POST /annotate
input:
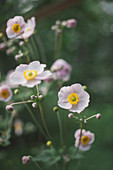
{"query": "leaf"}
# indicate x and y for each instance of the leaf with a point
(74, 154)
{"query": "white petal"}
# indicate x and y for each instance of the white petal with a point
(35, 65)
(21, 68)
(84, 147)
(84, 96)
(31, 83)
(17, 78)
(10, 33)
(44, 75)
(64, 105)
(77, 133)
(77, 88)
(64, 93)
(91, 136)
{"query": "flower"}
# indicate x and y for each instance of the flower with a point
(61, 70)
(29, 28)
(18, 56)
(15, 27)
(5, 93)
(29, 75)
(71, 23)
(73, 98)
(9, 108)
(25, 159)
(87, 138)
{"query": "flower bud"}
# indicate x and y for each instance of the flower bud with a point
(98, 116)
(70, 115)
(84, 87)
(55, 109)
(34, 105)
(57, 22)
(48, 143)
(41, 97)
(16, 91)
(21, 43)
(9, 108)
(1, 34)
(71, 23)
(25, 159)
(33, 97)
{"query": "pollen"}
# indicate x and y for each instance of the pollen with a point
(73, 98)
(84, 140)
(16, 28)
(30, 74)
(4, 93)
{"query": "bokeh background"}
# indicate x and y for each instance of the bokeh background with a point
(89, 49)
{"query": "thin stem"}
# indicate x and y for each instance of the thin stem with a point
(43, 120)
(37, 165)
(90, 117)
(37, 90)
(60, 128)
(21, 102)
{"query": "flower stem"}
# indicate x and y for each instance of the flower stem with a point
(37, 165)
(60, 128)
(20, 103)
(43, 120)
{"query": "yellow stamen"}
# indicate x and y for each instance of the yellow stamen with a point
(16, 28)
(30, 74)
(5, 94)
(73, 98)
(84, 140)
(29, 29)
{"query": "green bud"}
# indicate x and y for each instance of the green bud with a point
(55, 109)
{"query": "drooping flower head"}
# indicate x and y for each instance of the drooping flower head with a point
(87, 138)
(29, 28)
(61, 70)
(73, 98)
(5, 93)
(30, 75)
(15, 27)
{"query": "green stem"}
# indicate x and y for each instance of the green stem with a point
(34, 47)
(43, 120)
(60, 128)
(37, 165)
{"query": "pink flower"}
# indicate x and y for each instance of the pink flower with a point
(71, 23)
(61, 70)
(5, 93)
(87, 138)
(73, 98)
(15, 27)
(30, 75)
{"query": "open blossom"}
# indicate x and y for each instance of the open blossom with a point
(29, 75)
(87, 138)
(15, 27)
(61, 70)
(29, 28)
(73, 98)
(5, 93)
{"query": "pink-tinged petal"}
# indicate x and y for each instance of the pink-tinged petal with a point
(77, 133)
(31, 83)
(84, 96)
(10, 32)
(84, 147)
(19, 20)
(77, 88)
(10, 22)
(17, 78)
(35, 65)
(21, 68)
(64, 105)
(44, 75)
(91, 137)
(6, 87)
(64, 93)
(32, 22)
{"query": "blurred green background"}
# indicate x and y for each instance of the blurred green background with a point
(89, 49)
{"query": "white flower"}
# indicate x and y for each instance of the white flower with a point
(87, 138)
(29, 28)
(61, 70)
(30, 75)
(15, 27)
(5, 93)
(73, 98)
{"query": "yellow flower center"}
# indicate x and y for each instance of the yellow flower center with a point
(84, 140)
(73, 98)
(30, 74)
(5, 94)
(16, 28)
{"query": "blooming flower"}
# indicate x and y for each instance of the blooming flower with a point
(71, 23)
(87, 138)
(15, 27)
(5, 93)
(29, 75)
(73, 98)
(61, 70)
(29, 28)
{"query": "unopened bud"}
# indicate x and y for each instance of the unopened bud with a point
(34, 105)
(48, 143)
(84, 87)
(25, 159)
(98, 116)
(55, 109)
(16, 91)
(33, 97)
(70, 115)
(1, 34)
(41, 97)
(9, 108)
